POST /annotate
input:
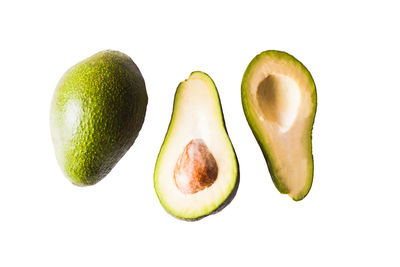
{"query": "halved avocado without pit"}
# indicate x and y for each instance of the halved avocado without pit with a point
(196, 172)
(279, 100)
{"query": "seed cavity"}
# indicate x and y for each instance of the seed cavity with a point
(279, 98)
(196, 168)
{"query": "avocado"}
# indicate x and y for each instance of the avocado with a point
(97, 111)
(196, 172)
(279, 100)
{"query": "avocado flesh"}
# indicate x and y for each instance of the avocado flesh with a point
(97, 111)
(197, 115)
(279, 101)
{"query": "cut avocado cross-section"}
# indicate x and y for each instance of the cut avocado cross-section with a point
(196, 172)
(279, 101)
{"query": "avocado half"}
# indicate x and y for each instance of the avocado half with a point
(279, 100)
(97, 111)
(197, 171)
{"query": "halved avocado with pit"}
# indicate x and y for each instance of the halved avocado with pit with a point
(279, 100)
(196, 172)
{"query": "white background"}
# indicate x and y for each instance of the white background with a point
(350, 217)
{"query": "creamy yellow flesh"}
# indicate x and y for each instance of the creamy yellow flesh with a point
(196, 115)
(283, 108)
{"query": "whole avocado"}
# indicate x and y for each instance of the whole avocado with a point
(97, 111)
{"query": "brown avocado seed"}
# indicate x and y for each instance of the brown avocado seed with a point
(196, 168)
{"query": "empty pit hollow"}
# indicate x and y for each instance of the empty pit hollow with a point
(278, 98)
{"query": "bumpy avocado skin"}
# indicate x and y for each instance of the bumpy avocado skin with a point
(253, 121)
(97, 111)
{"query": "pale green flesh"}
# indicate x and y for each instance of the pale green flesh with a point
(279, 101)
(196, 114)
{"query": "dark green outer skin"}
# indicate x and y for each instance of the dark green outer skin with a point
(263, 145)
(232, 194)
(112, 101)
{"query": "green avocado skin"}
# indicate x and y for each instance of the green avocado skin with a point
(97, 111)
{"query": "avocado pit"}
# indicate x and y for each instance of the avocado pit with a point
(196, 168)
